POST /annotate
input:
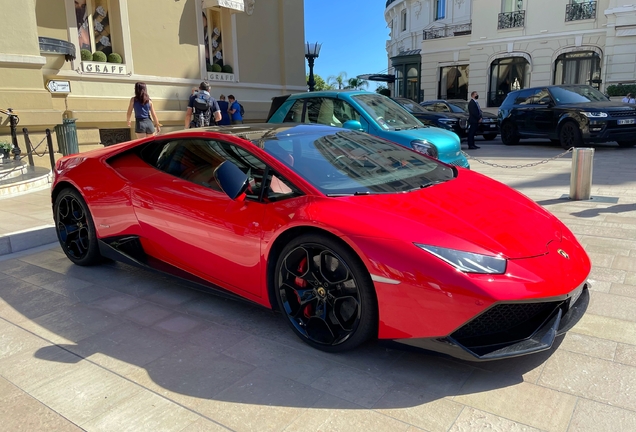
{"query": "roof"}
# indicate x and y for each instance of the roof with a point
(257, 131)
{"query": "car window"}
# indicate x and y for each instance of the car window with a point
(411, 106)
(438, 107)
(195, 160)
(459, 107)
(295, 113)
(388, 114)
(537, 97)
(343, 111)
(522, 96)
(322, 111)
(576, 94)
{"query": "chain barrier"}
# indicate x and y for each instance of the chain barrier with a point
(20, 157)
(570, 150)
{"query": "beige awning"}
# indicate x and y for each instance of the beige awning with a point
(237, 5)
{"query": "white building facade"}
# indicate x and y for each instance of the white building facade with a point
(444, 49)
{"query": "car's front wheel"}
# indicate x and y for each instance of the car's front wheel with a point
(570, 135)
(626, 144)
(75, 228)
(325, 293)
(490, 137)
(509, 134)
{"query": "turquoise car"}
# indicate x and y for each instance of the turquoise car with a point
(369, 112)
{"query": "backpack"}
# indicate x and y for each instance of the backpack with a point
(242, 110)
(201, 109)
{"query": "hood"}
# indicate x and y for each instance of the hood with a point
(471, 213)
(432, 114)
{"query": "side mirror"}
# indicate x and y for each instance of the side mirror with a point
(353, 125)
(231, 179)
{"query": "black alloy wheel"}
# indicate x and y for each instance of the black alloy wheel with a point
(490, 137)
(626, 144)
(75, 228)
(570, 135)
(325, 293)
(509, 135)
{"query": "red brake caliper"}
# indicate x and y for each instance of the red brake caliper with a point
(301, 283)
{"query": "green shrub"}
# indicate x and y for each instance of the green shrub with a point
(385, 92)
(227, 69)
(114, 58)
(86, 55)
(216, 68)
(209, 67)
(99, 56)
(621, 90)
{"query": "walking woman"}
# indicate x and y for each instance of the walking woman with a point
(142, 105)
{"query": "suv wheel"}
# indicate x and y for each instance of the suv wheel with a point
(570, 135)
(509, 134)
(626, 144)
(490, 137)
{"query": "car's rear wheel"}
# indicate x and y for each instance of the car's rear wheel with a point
(626, 144)
(490, 137)
(325, 293)
(509, 134)
(75, 228)
(570, 135)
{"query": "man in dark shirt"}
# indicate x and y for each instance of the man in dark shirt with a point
(225, 116)
(474, 118)
(203, 106)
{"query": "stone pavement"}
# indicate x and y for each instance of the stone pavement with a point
(118, 348)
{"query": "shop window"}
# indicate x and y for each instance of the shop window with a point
(578, 68)
(511, 5)
(507, 74)
(440, 9)
(93, 25)
(453, 83)
(220, 50)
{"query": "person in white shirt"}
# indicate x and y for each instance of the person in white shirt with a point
(629, 99)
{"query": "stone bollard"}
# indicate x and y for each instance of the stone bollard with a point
(581, 177)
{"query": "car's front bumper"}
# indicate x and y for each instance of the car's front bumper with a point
(511, 329)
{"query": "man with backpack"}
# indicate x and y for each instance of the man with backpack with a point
(202, 108)
(236, 110)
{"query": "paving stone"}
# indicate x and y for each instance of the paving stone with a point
(623, 290)
(413, 406)
(592, 378)
(21, 412)
(216, 337)
(147, 314)
(600, 259)
(205, 425)
(143, 411)
(115, 304)
(588, 345)
(14, 340)
(625, 263)
(613, 306)
(607, 328)
(630, 278)
(590, 416)
(609, 275)
(522, 402)
(178, 323)
(471, 420)
(626, 354)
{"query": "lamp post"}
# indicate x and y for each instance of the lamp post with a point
(312, 51)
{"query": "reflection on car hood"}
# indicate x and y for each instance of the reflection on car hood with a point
(471, 213)
(440, 115)
(600, 106)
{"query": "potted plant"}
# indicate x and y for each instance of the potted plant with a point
(5, 149)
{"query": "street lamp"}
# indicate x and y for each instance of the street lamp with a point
(312, 51)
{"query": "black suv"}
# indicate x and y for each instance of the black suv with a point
(571, 115)
(458, 109)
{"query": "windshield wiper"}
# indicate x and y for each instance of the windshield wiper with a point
(433, 183)
(349, 194)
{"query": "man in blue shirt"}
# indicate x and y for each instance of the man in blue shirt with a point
(225, 116)
(235, 110)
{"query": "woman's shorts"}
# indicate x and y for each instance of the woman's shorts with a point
(144, 126)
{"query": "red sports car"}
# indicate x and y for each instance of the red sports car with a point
(351, 237)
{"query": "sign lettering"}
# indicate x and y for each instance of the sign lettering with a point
(103, 68)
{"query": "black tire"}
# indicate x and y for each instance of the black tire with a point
(509, 134)
(332, 313)
(555, 141)
(75, 228)
(490, 137)
(626, 144)
(570, 135)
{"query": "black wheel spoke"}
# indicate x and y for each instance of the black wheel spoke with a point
(72, 227)
(319, 294)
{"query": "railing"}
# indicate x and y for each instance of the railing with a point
(448, 31)
(580, 11)
(512, 19)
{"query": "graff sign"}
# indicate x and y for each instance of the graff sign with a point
(104, 68)
(215, 76)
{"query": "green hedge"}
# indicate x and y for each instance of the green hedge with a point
(621, 90)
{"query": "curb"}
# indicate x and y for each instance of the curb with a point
(27, 239)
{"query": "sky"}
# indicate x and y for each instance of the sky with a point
(353, 34)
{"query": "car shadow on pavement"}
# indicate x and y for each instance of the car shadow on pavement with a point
(615, 209)
(199, 349)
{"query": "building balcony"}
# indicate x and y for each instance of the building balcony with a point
(509, 20)
(388, 3)
(580, 11)
(448, 31)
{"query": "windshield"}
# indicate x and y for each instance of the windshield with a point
(576, 94)
(386, 112)
(341, 162)
(459, 106)
(412, 107)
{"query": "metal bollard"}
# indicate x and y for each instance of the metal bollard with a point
(29, 146)
(581, 177)
(49, 145)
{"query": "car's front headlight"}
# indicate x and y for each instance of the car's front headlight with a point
(425, 147)
(467, 262)
(594, 114)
